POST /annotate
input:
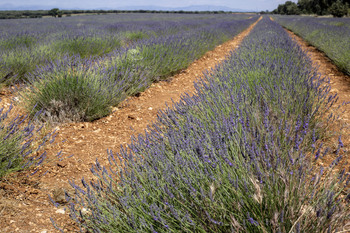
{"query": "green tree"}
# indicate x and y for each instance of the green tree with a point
(291, 8)
(305, 6)
(54, 12)
(281, 9)
(338, 9)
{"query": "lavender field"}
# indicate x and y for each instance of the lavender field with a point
(236, 157)
(76, 68)
(330, 35)
(242, 154)
(38, 41)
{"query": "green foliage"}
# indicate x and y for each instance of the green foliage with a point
(292, 9)
(332, 36)
(10, 150)
(71, 80)
(26, 41)
(289, 8)
(54, 12)
(20, 61)
(129, 67)
(135, 36)
(71, 94)
(22, 14)
(22, 142)
(168, 60)
(86, 46)
(19, 57)
(14, 14)
(23, 54)
(338, 9)
(233, 158)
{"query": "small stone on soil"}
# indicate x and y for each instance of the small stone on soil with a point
(60, 211)
(62, 163)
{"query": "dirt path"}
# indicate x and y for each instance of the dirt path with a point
(340, 84)
(24, 204)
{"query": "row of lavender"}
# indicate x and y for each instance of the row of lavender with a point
(236, 157)
(83, 89)
(24, 44)
(22, 142)
(48, 27)
(332, 36)
(78, 88)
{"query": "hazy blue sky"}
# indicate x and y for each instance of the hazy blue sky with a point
(241, 4)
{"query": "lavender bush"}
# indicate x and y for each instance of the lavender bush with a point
(22, 142)
(73, 89)
(86, 46)
(160, 57)
(236, 157)
(26, 44)
(330, 35)
(77, 88)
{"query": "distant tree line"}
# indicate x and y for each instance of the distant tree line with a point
(55, 12)
(337, 8)
(22, 14)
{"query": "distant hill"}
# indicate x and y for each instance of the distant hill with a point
(4, 7)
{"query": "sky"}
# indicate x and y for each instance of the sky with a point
(257, 5)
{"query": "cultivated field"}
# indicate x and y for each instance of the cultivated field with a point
(329, 35)
(258, 143)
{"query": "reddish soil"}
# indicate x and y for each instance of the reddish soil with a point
(24, 203)
(340, 85)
